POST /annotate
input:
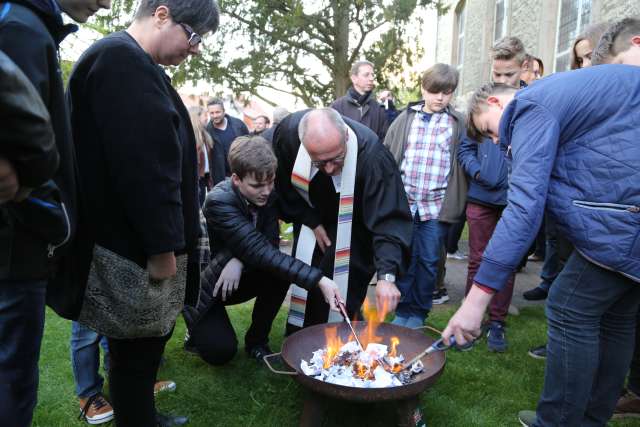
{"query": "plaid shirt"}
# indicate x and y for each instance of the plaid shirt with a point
(427, 161)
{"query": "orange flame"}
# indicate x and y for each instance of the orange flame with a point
(372, 317)
(394, 347)
(334, 343)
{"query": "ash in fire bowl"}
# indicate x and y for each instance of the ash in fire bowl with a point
(348, 365)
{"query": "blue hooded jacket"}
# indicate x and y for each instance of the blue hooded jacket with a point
(575, 140)
(489, 162)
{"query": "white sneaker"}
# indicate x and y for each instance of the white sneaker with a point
(456, 255)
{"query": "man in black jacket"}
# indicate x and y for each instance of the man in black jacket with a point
(30, 33)
(360, 104)
(223, 129)
(242, 222)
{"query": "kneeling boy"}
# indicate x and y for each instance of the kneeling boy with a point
(242, 224)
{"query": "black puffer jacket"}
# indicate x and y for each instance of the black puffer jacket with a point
(233, 234)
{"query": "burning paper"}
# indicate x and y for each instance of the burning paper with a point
(349, 366)
(345, 363)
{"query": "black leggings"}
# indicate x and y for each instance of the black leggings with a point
(214, 337)
(132, 374)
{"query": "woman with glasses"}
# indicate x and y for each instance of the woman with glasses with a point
(138, 165)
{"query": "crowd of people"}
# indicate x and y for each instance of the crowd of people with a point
(121, 208)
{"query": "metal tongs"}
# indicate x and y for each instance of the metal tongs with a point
(439, 346)
(343, 310)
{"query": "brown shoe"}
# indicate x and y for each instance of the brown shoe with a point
(96, 409)
(628, 406)
(161, 386)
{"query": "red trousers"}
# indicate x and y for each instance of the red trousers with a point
(482, 221)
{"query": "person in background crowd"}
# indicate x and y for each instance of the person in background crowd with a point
(34, 239)
(533, 69)
(385, 98)
(137, 149)
(204, 149)
(592, 193)
(359, 104)
(242, 221)
(260, 124)
(424, 141)
(508, 62)
(486, 166)
(584, 45)
(279, 113)
(223, 129)
(322, 158)
(620, 44)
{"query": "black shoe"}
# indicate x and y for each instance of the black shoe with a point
(538, 352)
(258, 352)
(170, 420)
(535, 294)
(190, 348)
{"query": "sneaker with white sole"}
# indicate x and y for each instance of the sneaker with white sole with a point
(527, 418)
(440, 296)
(162, 386)
(95, 409)
(457, 255)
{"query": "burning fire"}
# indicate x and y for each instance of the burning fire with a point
(333, 345)
(394, 346)
(377, 364)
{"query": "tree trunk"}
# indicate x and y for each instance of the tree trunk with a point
(341, 79)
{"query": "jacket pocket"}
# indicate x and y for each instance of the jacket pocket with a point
(611, 207)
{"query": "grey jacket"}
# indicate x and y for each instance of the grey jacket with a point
(455, 197)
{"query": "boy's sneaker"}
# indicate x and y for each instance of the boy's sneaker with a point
(538, 352)
(456, 255)
(95, 409)
(440, 296)
(162, 386)
(628, 406)
(527, 418)
(496, 340)
(258, 352)
(535, 294)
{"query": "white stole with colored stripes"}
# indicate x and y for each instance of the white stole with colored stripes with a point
(300, 178)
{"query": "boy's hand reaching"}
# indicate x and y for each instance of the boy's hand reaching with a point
(229, 279)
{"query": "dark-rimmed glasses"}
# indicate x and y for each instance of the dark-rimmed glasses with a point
(194, 38)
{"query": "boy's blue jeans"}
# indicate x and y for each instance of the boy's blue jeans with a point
(85, 360)
(418, 284)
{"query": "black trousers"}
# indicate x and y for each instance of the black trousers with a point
(214, 337)
(133, 368)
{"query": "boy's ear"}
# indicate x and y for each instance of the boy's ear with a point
(235, 179)
(493, 100)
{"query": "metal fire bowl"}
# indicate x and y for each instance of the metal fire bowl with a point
(303, 343)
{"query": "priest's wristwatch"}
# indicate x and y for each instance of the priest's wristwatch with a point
(388, 277)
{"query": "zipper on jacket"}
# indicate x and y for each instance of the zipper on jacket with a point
(52, 247)
(615, 207)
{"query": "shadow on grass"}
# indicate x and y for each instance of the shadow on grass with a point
(477, 388)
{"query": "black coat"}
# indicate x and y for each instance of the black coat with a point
(30, 33)
(232, 233)
(382, 226)
(136, 154)
(371, 114)
(220, 168)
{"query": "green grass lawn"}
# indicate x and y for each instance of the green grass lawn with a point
(477, 388)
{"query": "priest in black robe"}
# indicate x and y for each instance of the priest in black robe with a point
(381, 223)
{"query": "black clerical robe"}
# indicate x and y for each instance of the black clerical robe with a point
(381, 228)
